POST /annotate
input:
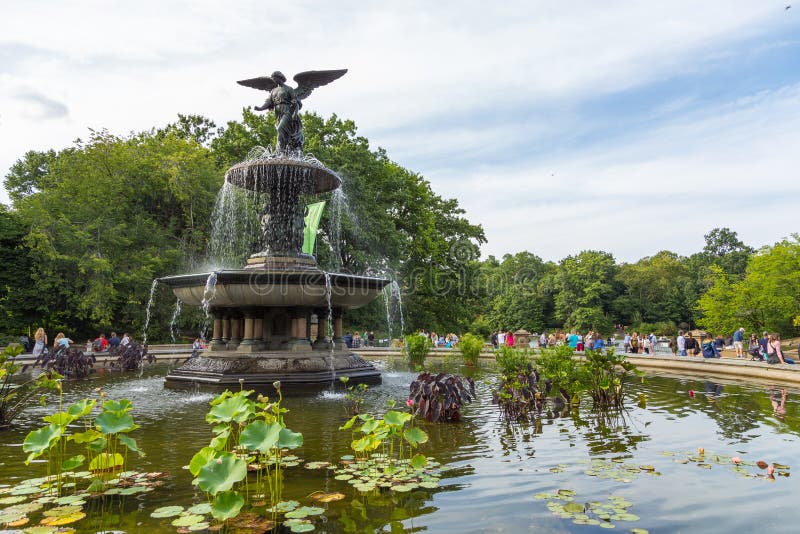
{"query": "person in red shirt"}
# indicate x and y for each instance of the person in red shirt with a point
(100, 344)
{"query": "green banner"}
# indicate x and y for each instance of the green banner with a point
(312, 224)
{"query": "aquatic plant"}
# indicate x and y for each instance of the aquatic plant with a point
(16, 396)
(564, 371)
(470, 347)
(70, 362)
(249, 435)
(604, 377)
(384, 453)
(104, 439)
(416, 349)
(511, 361)
(130, 357)
(439, 398)
(355, 395)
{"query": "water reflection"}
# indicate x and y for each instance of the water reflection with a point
(495, 465)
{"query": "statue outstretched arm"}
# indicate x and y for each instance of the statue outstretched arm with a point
(267, 105)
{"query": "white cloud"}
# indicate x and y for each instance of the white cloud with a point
(427, 80)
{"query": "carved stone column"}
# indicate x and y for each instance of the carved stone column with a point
(216, 335)
(300, 341)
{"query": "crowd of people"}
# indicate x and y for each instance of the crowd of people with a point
(356, 340)
(40, 342)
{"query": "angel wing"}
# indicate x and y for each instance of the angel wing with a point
(264, 83)
(311, 79)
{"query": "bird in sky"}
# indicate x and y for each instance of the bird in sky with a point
(787, 8)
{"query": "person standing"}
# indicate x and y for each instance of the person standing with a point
(371, 338)
(680, 342)
(738, 342)
(126, 340)
(40, 342)
(510, 338)
(543, 340)
(501, 338)
(627, 342)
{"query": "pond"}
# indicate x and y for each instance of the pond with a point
(501, 476)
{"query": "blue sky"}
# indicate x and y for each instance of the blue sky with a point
(626, 126)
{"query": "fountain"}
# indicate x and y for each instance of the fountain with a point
(262, 312)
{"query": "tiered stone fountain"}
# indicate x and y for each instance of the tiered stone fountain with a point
(263, 313)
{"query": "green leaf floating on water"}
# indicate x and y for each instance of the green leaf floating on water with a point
(167, 511)
(304, 511)
(260, 436)
(574, 507)
(284, 506)
(188, 520)
(200, 509)
(221, 473)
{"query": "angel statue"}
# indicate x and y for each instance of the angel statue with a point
(286, 102)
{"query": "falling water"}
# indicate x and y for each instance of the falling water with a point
(388, 297)
(399, 295)
(208, 295)
(328, 291)
(147, 311)
(235, 226)
(173, 326)
(338, 202)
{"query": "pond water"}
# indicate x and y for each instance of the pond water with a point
(496, 467)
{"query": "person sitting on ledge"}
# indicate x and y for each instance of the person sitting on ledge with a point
(774, 352)
(710, 350)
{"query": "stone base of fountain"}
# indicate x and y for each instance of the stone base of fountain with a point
(311, 368)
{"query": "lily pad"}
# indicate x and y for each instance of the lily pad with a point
(167, 511)
(13, 499)
(574, 507)
(63, 519)
(284, 506)
(188, 520)
(62, 510)
(328, 497)
(199, 526)
(200, 509)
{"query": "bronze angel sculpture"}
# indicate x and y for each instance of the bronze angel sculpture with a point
(286, 102)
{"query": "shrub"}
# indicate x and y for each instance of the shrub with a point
(512, 361)
(559, 365)
(470, 347)
(416, 349)
(439, 398)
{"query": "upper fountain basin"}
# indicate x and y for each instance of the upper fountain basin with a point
(236, 288)
(265, 173)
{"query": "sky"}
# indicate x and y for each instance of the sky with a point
(625, 126)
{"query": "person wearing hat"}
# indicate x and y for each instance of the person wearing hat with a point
(738, 342)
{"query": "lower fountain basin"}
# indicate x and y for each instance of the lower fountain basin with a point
(241, 287)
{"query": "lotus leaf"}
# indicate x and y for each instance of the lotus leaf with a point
(574, 507)
(402, 488)
(780, 466)
(227, 504)
(118, 407)
(429, 484)
(7, 516)
(234, 409)
(19, 522)
(187, 520)
(13, 499)
(59, 418)
(418, 461)
(289, 439)
(200, 509)
(106, 461)
(317, 465)
(415, 436)
(199, 526)
(26, 491)
(130, 443)
(115, 423)
(607, 525)
(284, 506)
(395, 418)
(63, 519)
(38, 441)
(63, 510)
(200, 459)
(304, 511)
(86, 437)
(260, 436)
(167, 511)
(302, 527)
(81, 408)
(72, 463)
(222, 473)
(639, 531)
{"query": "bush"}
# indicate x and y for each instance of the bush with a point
(559, 365)
(512, 361)
(416, 349)
(470, 347)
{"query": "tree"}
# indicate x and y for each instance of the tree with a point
(584, 287)
(767, 298)
(723, 248)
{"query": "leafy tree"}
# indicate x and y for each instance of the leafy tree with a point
(768, 297)
(584, 286)
(723, 248)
